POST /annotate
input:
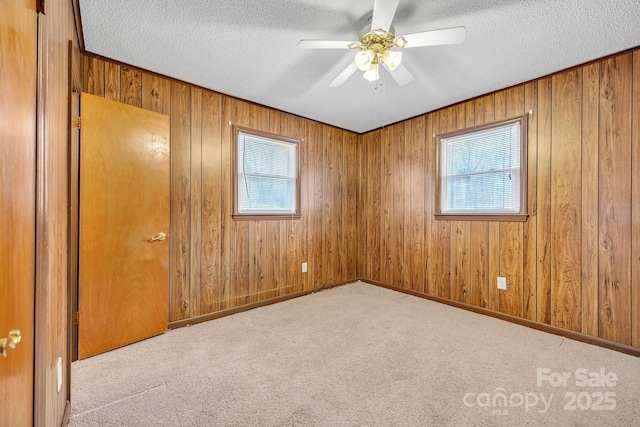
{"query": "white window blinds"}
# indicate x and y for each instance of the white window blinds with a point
(481, 171)
(267, 175)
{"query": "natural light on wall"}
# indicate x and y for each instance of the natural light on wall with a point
(481, 171)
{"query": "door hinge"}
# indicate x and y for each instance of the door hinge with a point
(75, 122)
(74, 318)
(40, 6)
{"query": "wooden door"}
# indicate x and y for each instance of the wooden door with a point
(124, 203)
(17, 205)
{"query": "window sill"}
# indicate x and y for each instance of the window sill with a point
(264, 217)
(483, 217)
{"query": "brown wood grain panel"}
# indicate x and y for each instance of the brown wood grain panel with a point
(156, 93)
(479, 259)
(396, 140)
(315, 141)
(635, 204)
(293, 127)
(589, 220)
(211, 222)
(330, 249)
(226, 206)
(195, 270)
(258, 260)
(339, 181)
(350, 197)
(529, 273)
(93, 70)
(543, 209)
(131, 86)
(460, 262)
(415, 216)
(429, 203)
(180, 223)
(276, 264)
(442, 233)
(112, 81)
(614, 267)
(510, 301)
(305, 200)
(375, 186)
(566, 112)
(386, 207)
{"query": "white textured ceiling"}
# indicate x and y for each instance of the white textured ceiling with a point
(247, 48)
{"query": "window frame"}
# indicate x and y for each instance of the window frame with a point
(237, 215)
(520, 216)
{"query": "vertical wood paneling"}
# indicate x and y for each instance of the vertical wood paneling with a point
(386, 207)
(589, 193)
(566, 211)
(156, 93)
(211, 291)
(529, 265)
(375, 189)
(398, 197)
(195, 281)
(429, 202)
(316, 206)
(180, 204)
(93, 76)
(112, 81)
(544, 201)
(368, 202)
(226, 206)
(131, 86)
(635, 204)
(442, 245)
(416, 214)
(338, 205)
(350, 198)
(614, 268)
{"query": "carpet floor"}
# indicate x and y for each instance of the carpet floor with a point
(356, 355)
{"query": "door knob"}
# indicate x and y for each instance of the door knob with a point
(158, 238)
(11, 341)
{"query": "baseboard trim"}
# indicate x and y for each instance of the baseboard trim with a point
(246, 307)
(67, 413)
(600, 342)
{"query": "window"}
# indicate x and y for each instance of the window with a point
(266, 176)
(482, 172)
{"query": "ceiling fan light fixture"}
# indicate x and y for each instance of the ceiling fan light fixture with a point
(391, 59)
(364, 58)
(400, 42)
(372, 73)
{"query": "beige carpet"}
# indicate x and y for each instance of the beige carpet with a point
(356, 355)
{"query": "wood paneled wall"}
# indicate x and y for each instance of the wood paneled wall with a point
(575, 263)
(217, 263)
(58, 66)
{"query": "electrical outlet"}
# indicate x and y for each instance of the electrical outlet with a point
(304, 267)
(59, 373)
(502, 283)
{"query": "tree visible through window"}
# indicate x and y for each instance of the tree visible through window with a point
(482, 171)
(266, 175)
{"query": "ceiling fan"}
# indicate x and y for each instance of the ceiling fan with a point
(378, 44)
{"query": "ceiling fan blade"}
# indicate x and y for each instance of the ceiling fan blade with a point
(344, 75)
(383, 13)
(401, 75)
(323, 44)
(436, 37)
